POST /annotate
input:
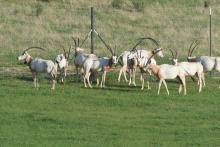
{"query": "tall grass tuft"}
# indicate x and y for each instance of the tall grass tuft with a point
(138, 5)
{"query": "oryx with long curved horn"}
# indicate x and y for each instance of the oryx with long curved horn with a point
(190, 69)
(96, 65)
(166, 71)
(208, 63)
(133, 58)
(38, 65)
(80, 56)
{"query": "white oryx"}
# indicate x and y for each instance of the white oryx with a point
(38, 65)
(95, 65)
(130, 59)
(190, 69)
(166, 71)
(62, 61)
(141, 62)
(208, 63)
(80, 56)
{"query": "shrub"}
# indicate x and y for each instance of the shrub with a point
(138, 5)
(117, 4)
(38, 9)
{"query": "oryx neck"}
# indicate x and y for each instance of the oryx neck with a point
(28, 60)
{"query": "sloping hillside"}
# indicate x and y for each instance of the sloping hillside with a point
(51, 23)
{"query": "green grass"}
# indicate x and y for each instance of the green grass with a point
(118, 115)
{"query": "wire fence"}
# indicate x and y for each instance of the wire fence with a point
(53, 28)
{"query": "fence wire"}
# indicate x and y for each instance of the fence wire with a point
(53, 28)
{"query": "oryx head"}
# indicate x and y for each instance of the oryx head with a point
(150, 61)
(159, 52)
(174, 58)
(61, 60)
(114, 57)
(25, 56)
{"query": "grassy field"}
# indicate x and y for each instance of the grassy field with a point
(118, 115)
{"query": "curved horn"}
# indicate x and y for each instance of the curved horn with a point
(149, 38)
(176, 53)
(148, 61)
(189, 50)
(153, 40)
(64, 51)
(172, 53)
(36, 47)
(196, 44)
(69, 52)
(75, 42)
(112, 51)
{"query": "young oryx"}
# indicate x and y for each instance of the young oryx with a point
(96, 65)
(208, 63)
(62, 61)
(190, 69)
(166, 71)
(38, 65)
(141, 53)
(80, 56)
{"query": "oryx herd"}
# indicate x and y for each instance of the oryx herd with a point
(87, 64)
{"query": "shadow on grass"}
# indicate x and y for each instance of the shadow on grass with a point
(24, 78)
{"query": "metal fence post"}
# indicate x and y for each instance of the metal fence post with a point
(92, 31)
(210, 32)
(210, 35)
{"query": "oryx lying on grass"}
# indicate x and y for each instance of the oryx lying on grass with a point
(190, 69)
(130, 63)
(95, 65)
(166, 71)
(62, 61)
(38, 65)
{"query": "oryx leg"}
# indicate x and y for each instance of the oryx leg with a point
(183, 80)
(97, 81)
(200, 82)
(119, 76)
(165, 84)
(142, 81)
(159, 85)
(180, 88)
(53, 76)
(123, 70)
(130, 76)
(87, 76)
(148, 82)
(124, 73)
(134, 71)
(104, 76)
(101, 85)
(84, 80)
(34, 75)
(203, 79)
(53, 84)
